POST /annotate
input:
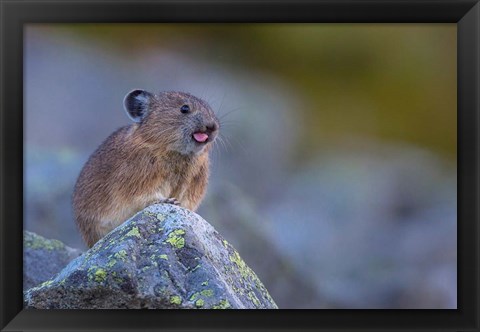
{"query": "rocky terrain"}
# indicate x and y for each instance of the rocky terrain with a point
(165, 257)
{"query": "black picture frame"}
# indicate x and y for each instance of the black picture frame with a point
(16, 13)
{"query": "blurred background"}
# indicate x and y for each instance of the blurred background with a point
(337, 180)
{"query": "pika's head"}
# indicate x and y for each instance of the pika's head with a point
(176, 120)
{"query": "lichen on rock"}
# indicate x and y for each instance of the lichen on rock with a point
(163, 257)
(43, 258)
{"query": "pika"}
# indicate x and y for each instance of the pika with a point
(163, 157)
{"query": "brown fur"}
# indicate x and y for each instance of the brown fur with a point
(140, 164)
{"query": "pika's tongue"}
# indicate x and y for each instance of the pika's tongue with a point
(200, 137)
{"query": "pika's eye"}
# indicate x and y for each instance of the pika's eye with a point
(185, 109)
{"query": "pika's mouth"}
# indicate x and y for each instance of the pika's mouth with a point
(200, 137)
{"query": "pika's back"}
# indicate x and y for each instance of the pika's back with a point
(162, 156)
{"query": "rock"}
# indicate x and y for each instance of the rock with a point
(241, 222)
(43, 259)
(163, 257)
(383, 220)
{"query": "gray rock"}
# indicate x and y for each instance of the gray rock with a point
(43, 259)
(239, 220)
(163, 257)
(383, 221)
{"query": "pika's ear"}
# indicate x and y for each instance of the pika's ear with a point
(136, 104)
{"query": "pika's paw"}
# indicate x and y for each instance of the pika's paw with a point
(171, 200)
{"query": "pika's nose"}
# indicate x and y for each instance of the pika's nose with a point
(211, 127)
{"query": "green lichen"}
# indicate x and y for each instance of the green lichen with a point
(161, 217)
(259, 285)
(90, 272)
(205, 293)
(46, 283)
(205, 283)
(122, 255)
(194, 296)
(163, 256)
(118, 280)
(251, 295)
(146, 268)
(237, 290)
(111, 263)
(96, 273)
(34, 241)
(176, 239)
(250, 276)
(105, 243)
(100, 275)
(179, 232)
(223, 304)
(196, 267)
(242, 267)
(199, 303)
(225, 243)
(175, 300)
(133, 232)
